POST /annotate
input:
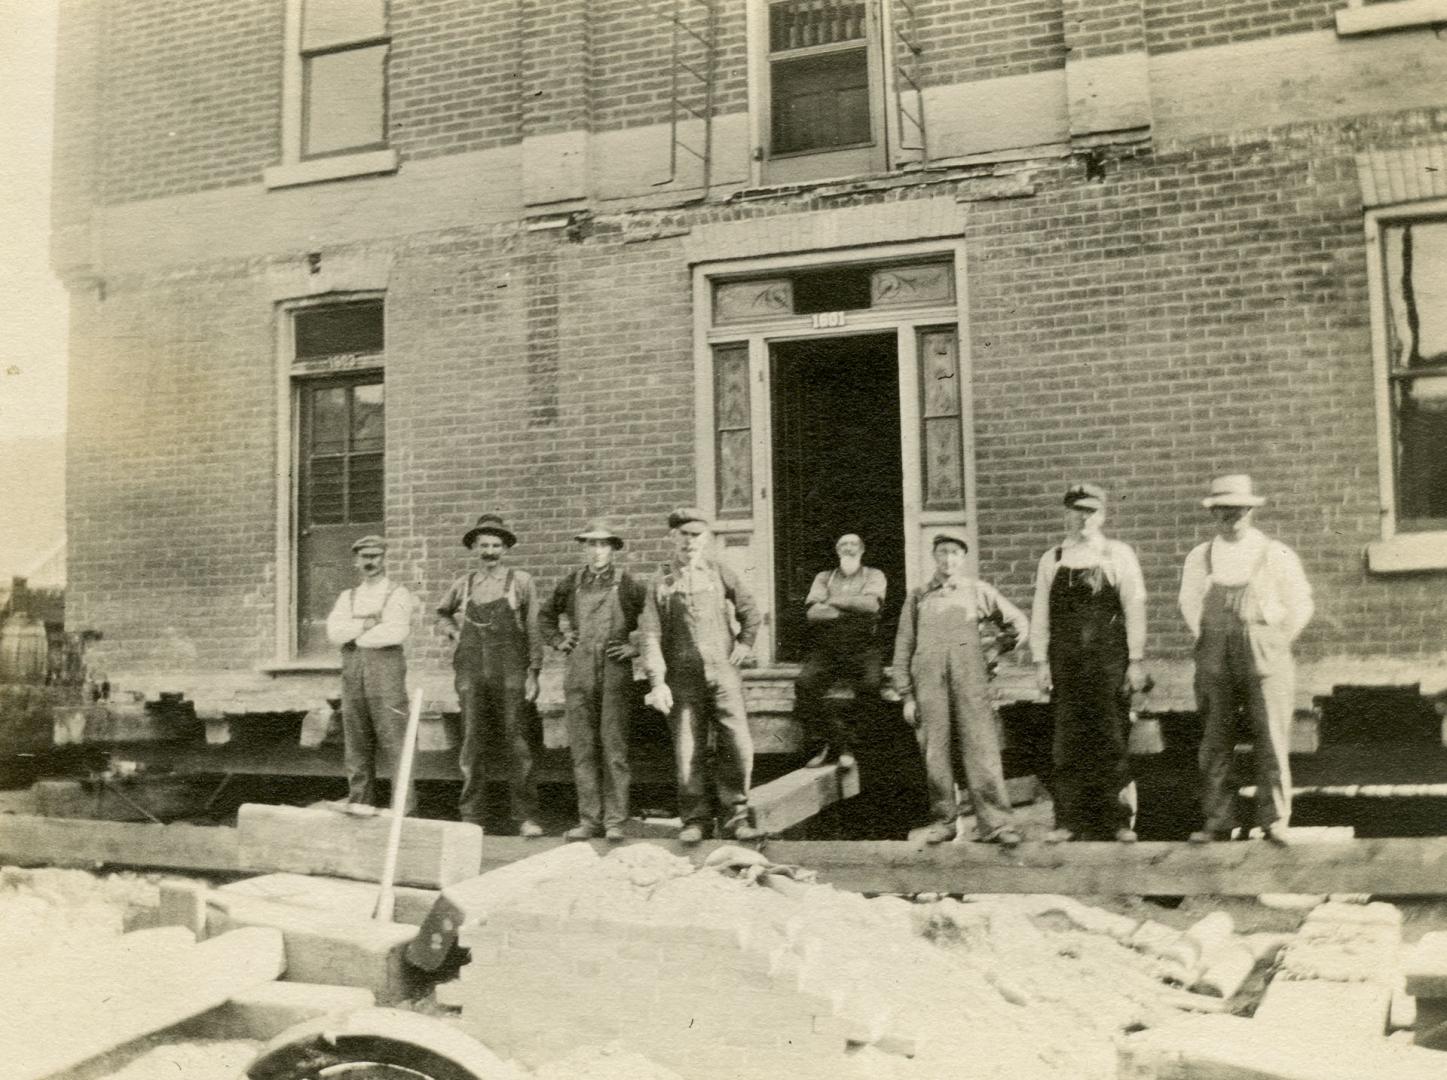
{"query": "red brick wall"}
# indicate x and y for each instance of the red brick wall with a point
(1172, 25)
(970, 40)
(191, 100)
(452, 81)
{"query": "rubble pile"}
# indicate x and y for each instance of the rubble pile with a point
(714, 973)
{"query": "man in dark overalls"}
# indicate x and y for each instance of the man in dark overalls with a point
(1245, 598)
(842, 609)
(692, 658)
(370, 622)
(1088, 629)
(590, 617)
(492, 615)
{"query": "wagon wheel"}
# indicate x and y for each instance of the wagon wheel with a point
(377, 1044)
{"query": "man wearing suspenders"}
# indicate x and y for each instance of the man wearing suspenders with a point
(1088, 635)
(370, 622)
(492, 615)
(1245, 598)
(590, 617)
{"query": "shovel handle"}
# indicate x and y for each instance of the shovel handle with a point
(401, 782)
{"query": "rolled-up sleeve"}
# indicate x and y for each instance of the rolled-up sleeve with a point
(342, 625)
(528, 603)
(1040, 607)
(452, 599)
(904, 643)
(650, 628)
(1293, 589)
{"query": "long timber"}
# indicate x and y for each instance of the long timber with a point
(1397, 866)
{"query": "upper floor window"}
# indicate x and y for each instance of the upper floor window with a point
(334, 94)
(821, 94)
(1414, 271)
(344, 56)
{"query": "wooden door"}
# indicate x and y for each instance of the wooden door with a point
(339, 497)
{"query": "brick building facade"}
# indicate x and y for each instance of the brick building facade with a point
(1142, 241)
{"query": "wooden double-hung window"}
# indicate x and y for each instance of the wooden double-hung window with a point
(334, 93)
(1414, 278)
(821, 89)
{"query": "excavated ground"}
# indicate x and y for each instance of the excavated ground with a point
(1050, 991)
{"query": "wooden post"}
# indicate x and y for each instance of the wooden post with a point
(401, 781)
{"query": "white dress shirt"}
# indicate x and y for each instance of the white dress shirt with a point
(1122, 570)
(1278, 594)
(371, 600)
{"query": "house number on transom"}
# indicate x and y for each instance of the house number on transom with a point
(825, 319)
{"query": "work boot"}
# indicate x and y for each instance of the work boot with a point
(1059, 836)
(938, 833)
(584, 830)
(1207, 836)
(846, 761)
(1278, 834)
(615, 834)
(1125, 836)
(1005, 837)
(744, 830)
(530, 829)
(690, 834)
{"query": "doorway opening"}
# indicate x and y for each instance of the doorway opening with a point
(837, 469)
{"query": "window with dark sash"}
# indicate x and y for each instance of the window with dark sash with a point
(344, 57)
(1414, 258)
(819, 84)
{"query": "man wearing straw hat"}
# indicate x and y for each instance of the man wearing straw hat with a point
(1245, 598)
(1087, 635)
(590, 617)
(370, 622)
(492, 615)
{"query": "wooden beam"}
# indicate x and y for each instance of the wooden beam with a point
(799, 795)
(41, 841)
(330, 842)
(1237, 868)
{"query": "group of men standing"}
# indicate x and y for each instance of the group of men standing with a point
(691, 626)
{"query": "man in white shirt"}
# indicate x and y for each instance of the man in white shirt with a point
(1087, 635)
(370, 622)
(1245, 598)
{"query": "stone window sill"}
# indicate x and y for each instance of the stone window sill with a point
(1408, 553)
(341, 167)
(1369, 18)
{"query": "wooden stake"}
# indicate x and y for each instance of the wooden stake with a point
(401, 781)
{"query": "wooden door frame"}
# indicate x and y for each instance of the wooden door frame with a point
(759, 335)
(291, 377)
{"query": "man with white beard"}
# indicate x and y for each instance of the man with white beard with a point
(842, 609)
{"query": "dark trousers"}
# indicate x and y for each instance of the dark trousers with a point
(860, 669)
(1089, 763)
(488, 702)
(599, 709)
(374, 719)
(701, 704)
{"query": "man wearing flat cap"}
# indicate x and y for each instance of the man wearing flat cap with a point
(590, 618)
(692, 658)
(1245, 598)
(939, 671)
(491, 612)
(370, 622)
(1087, 635)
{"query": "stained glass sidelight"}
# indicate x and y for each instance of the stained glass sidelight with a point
(732, 426)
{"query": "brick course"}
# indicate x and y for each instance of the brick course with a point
(1172, 25)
